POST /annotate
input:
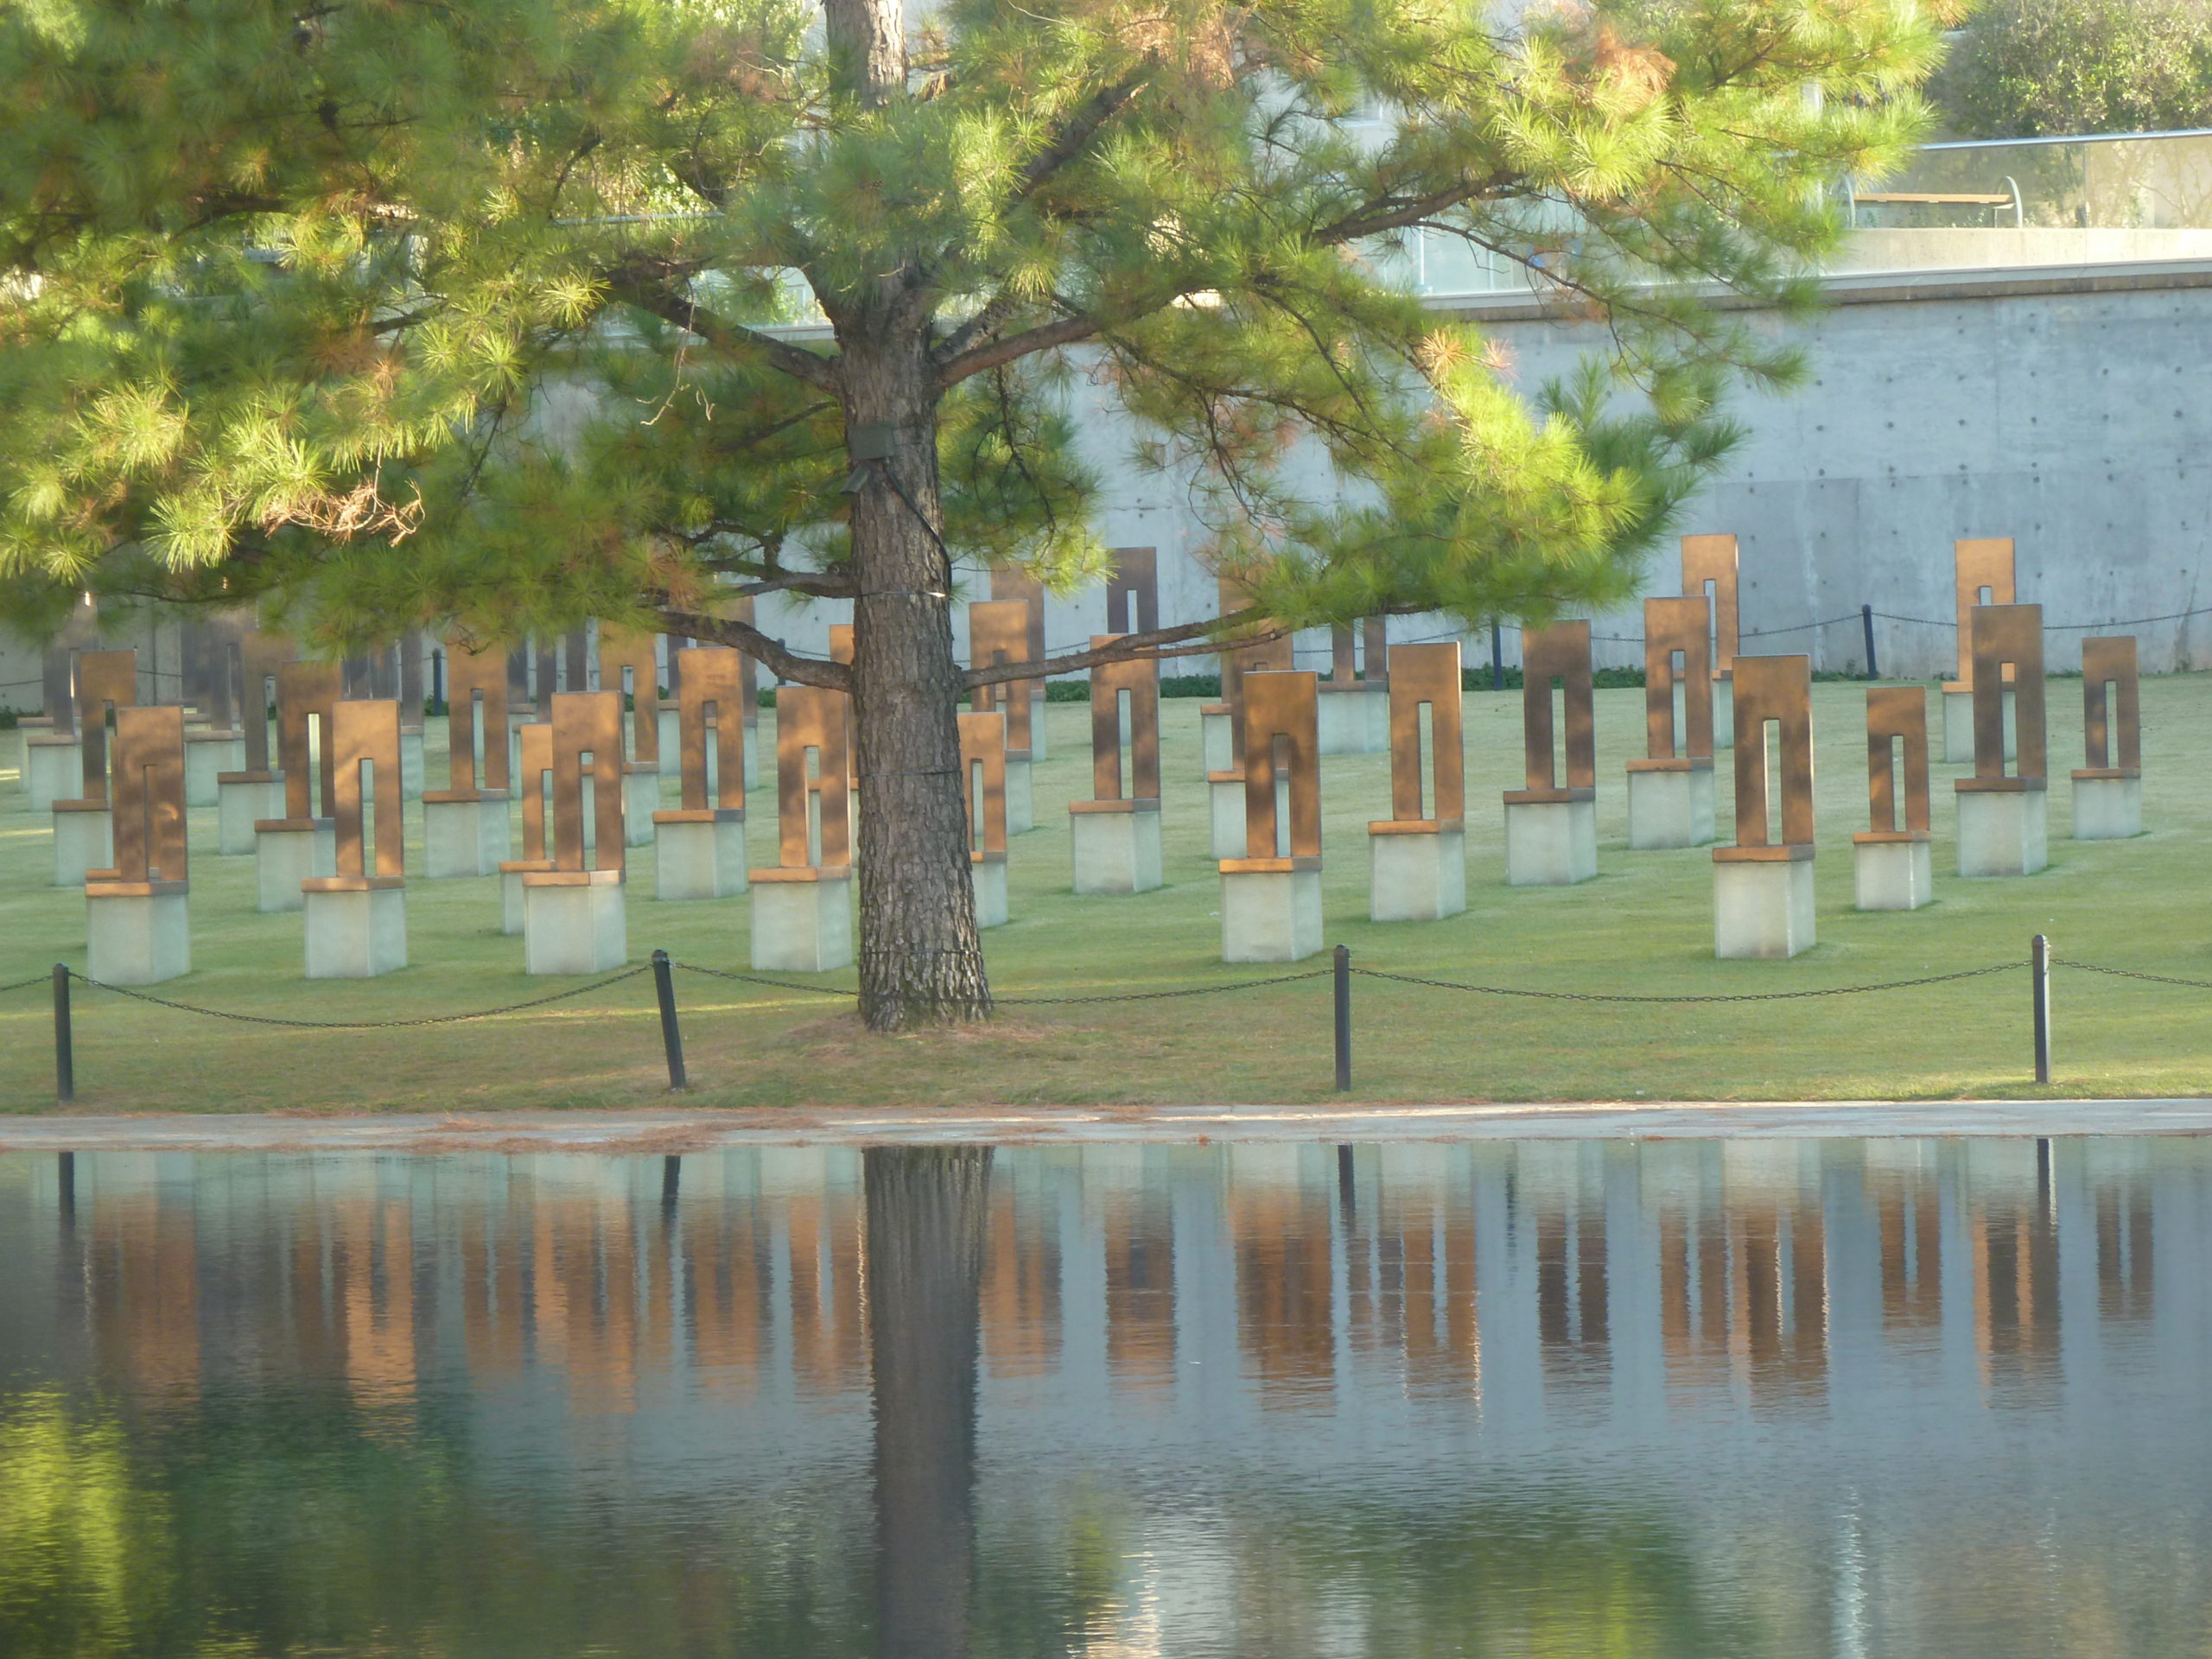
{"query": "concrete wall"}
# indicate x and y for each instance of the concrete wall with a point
(2064, 408)
(2073, 418)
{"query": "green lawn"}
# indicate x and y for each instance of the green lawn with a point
(1643, 926)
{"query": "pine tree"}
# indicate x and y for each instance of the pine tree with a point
(400, 313)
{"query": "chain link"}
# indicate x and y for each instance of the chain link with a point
(756, 979)
(2062, 628)
(1745, 996)
(2129, 973)
(1025, 1002)
(1160, 996)
(360, 1025)
(25, 984)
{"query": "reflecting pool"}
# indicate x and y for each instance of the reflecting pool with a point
(1741, 1398)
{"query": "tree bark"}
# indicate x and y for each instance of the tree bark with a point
(921, 961)
(927, 1213)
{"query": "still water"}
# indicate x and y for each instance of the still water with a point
(1750, 1398)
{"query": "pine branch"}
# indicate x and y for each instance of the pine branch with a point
(736, 339)
(1157, 643)
(1082, 127)
(772, 654)
(813, 583)
(1065, 330)
(984, 325)
(1397, 212)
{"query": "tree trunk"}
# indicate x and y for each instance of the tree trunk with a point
(921, 962)
(926, 1212)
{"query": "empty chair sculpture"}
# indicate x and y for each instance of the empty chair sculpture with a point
(1271, 896)
(572, 915)
(982, 768)
(533, 781)
(1355, 697)
(52, 764)
(356, 923)
(211, 687)
(1012, 586)
(2108, 788)
(803, 907)
(1419, 854)
(998, 633)
(1893, 864)
(2004, 825)
(255, 791)
(1983, 574)
(629, 665)
(1551, 825)
(107, 683)
(1114, 836)
(1132, 591)
(1220, 725)
(1709, 572)
(1670, 790)
(465, 825)
(699, 848)
(138, 921)
(304, 842)
(1763, 886)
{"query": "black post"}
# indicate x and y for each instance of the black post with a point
(671, 1179)
(67, 1172)
(1497, 658)
(1343, 1019)
(1866, 621)
(670, 1038)
(65, 1048)
(2039, 979)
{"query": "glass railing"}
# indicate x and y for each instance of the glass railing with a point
(2129, 197)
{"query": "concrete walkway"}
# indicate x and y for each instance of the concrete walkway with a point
(680, 1131)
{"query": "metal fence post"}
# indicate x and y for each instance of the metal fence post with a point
(670, 1038)
(2039, 980)
(1866, 621)
(1343, 1019)
(64, 1047)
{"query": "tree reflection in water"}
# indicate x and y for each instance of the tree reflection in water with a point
(926, 1211)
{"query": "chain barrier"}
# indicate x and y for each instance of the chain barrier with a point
(1741, 996)
(359, 1025)
(1121, 996)
(1025, 1001)
(2129, 973)
(2058, 627)
(756, 979)
(1160, 996)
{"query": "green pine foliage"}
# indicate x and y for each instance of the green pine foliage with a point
(511, 312)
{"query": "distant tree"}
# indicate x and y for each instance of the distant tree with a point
(2031, 68)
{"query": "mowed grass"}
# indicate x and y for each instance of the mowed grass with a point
(1643, 927)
